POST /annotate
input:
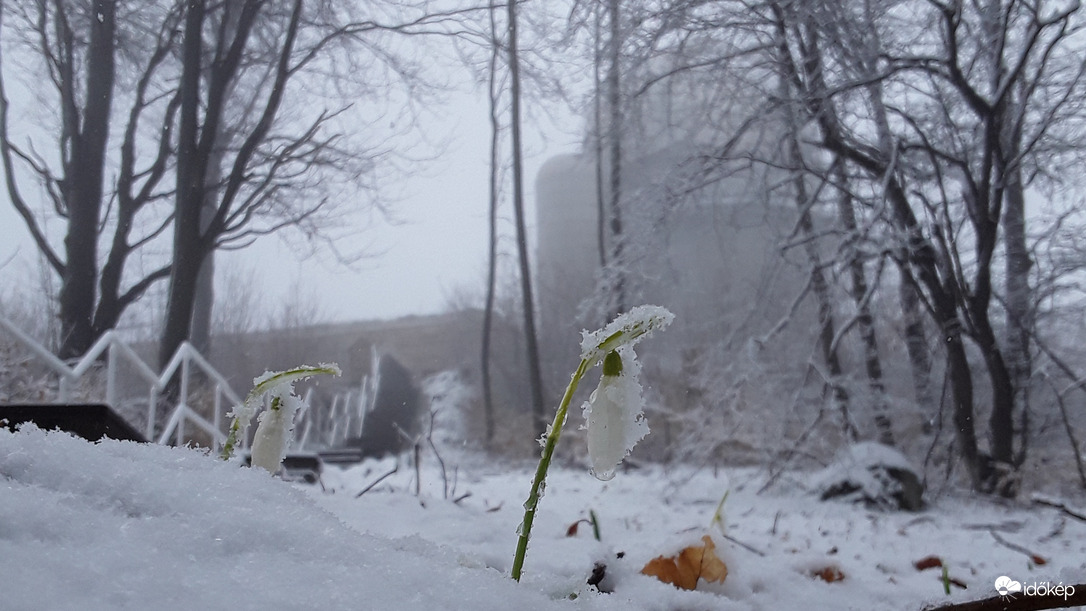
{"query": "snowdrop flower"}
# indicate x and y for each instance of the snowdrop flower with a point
(614, 416)
(614, 413)
(275, 429)
(275, 426)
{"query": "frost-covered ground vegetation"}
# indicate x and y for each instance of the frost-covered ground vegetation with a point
(120, 525)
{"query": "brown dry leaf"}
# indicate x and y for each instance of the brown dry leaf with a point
(692, 563)
(928, 562)
(1038, 560)
(829, 574)
(572, 530)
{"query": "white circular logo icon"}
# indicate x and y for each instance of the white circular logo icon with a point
(1005, 585)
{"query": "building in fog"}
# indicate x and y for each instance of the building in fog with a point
(715, 260)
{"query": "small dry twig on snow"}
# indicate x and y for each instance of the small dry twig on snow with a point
(1021, 603)
(1035, 558)
(1058, 505)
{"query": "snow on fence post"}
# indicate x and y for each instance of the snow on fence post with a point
(152, 412)
(184, 397)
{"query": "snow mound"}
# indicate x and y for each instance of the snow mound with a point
(121, 525)
(872, 473)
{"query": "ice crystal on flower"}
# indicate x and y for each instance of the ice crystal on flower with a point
(625, 330)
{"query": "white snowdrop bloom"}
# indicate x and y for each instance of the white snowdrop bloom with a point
(614, 416)
(275, 429)
(276, 425)
(625, 330)
(272, 382)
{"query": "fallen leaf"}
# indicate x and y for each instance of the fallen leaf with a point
(1038, 560)
(692, 563)
(928, 562)
(572, 530)
(829, 574)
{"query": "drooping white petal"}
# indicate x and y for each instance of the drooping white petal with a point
(275, 429)
(614, 417)
(270, 441)
(625, 330)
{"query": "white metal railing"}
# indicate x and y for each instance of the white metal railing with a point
(115, 349)
(342, 418)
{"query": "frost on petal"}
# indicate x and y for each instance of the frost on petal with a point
(614, 417)
(244, 412)
(271, 440)
(625, 330)
(275, 429)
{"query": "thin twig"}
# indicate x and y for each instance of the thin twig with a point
(1037, 500)
(743, 545)
(1012, 546)
(437, 455)
(377, 481)
(802, 438)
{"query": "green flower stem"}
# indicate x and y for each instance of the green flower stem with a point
(595, 524)
(231, 440)
(544, 464)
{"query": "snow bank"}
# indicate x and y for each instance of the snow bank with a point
(120, 525)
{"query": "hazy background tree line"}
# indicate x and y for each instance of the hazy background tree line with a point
(918, 163)
(930, 154)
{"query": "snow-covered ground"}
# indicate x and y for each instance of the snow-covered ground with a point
(118, 525)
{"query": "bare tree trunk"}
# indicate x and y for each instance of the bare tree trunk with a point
(597, 139)
(492, 236)
(614, 129)
(1018, 302)
(197, 141)
(819, 286)
(919, 255)
(865, 321)
(916, 345)
(916, 340)
(83, 190)
(204, 302)
(535, 376)
(188, 252)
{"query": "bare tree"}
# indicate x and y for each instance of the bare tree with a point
(820, 286)
(493, 103)
(535, 374)
(85, 48)
(239, 62)
(950, 161)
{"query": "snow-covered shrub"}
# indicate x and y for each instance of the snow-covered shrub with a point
(872, 473)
